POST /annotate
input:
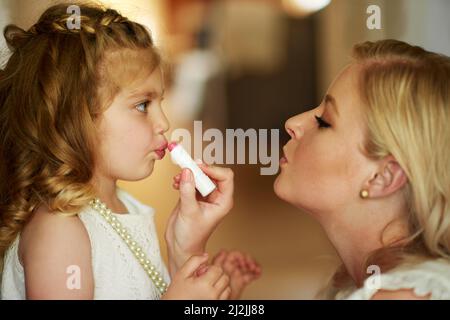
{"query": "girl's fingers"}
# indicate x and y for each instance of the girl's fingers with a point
(192, 264)
(225, 295)
(213, 274)
(241, 261)
(258, 269)
(201, 270)
(248, 261)
(228, 263)
(247, 278)
(236, 275)
(254, 268)
(222, 283)
(222, 176)
(220, 258)
(236, 257)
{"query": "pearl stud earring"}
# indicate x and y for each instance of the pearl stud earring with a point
(364, 194)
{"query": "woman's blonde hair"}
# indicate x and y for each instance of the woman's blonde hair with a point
(53, 88)
(406, 95)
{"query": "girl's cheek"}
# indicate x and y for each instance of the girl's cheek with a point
(142, 136)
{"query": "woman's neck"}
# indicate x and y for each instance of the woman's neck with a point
(353, 249)
(354, 242)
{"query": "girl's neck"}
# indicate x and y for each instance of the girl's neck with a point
(106, 190)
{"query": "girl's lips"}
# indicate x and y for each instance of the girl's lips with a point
(160, 153)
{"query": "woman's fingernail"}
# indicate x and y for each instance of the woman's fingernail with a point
(198, 161)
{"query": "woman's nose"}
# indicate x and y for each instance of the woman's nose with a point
(294, 127)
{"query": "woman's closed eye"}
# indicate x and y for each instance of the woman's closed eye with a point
(322, 123)
(142, 107)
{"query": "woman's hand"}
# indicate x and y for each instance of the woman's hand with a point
(212, 284)
(195, 218)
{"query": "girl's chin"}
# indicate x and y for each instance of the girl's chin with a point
(149, 169)
(143, 173)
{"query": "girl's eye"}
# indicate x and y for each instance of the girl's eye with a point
(142, 107)
(322, 123)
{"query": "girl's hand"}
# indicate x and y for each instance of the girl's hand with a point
(240, 267)
(195, 218)
(212, 284)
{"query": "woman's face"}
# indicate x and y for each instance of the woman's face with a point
(323, 168)
(132, 130)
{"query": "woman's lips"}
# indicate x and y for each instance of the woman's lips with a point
(283, 159)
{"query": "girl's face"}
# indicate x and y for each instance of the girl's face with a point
(323, 168)
(132, 130)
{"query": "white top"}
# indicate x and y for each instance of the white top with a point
(117, 273)
(428, 277)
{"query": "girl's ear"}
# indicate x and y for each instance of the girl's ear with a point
(389, 179)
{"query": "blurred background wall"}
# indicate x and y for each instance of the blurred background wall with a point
(253, 64)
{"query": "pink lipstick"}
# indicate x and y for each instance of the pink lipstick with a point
(161, 151)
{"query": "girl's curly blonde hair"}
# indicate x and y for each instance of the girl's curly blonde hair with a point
(53, 88)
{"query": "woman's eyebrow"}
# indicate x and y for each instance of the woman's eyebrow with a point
(329, 99)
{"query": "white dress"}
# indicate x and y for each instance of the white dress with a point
(117, 273)
(428, 277)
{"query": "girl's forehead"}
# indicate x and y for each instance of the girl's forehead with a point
(124, 67)
(152, 85)
(122, 70)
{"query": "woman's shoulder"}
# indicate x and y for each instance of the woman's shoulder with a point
(429, 279)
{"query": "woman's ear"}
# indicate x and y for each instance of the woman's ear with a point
(389, 179)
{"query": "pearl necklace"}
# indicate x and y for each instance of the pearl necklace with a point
(149, 268)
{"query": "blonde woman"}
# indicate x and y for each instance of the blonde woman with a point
(371, 165)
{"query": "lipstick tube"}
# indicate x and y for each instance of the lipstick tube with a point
(181, 158)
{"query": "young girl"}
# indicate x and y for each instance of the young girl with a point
(80, 108)
(383, 196)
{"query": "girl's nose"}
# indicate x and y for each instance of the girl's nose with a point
(162, 125)
(294, 127)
